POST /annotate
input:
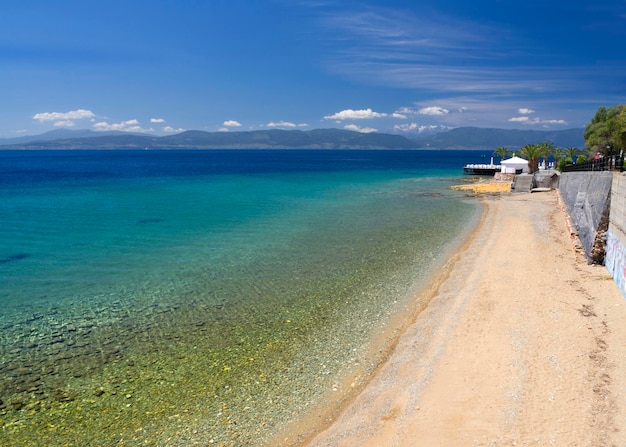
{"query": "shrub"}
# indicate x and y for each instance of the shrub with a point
(564, 162)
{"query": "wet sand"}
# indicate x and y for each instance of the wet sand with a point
(522, 344)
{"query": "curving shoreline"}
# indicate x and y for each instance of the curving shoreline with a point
(522, 343)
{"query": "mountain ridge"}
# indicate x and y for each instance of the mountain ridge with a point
(325, 138)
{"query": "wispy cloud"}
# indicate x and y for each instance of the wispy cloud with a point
(412, 36)
(435, 52)
(157, 120)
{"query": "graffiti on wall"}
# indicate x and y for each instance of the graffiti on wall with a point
(615, 260)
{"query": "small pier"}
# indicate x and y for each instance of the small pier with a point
(481, 169)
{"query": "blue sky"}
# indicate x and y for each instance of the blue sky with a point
(164, 66)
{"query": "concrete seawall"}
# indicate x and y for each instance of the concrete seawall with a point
(587, 197)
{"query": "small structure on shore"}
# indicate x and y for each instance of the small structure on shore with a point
(481, 168)
(547, 179)
(514, 165)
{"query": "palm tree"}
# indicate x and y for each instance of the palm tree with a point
(533, 153)
(557, 153)
(572, 153)
(501, 152)
(546, 149)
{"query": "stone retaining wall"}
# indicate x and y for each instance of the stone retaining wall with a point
(587, 197)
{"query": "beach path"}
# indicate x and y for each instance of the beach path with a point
(522, 344)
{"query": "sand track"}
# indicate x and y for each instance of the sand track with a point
(523, 344)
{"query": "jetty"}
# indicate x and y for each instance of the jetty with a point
(481, 168)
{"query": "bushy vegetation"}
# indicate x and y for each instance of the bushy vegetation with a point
(564, 162)
(606, 133)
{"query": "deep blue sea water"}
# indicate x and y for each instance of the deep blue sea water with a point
(168, 296)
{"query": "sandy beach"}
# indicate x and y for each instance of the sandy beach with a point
(522, 343)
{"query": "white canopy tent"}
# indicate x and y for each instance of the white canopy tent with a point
(513, 165)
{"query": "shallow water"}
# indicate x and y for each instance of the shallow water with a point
(194, 297)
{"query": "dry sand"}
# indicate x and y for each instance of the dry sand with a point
(523, 344)
(485, 187)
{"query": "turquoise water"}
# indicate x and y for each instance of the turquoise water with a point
(173, 298)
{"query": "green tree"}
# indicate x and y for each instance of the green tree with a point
(501, 152)
(533, 153)
(621, 128)
(606, 133)
(572, 153)
(546, 150)
(563, 163)
(557, 153)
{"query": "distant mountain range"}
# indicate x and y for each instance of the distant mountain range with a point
(459, 138)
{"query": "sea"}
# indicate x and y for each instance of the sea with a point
(209, 297)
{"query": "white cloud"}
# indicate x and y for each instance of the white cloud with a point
(63, 119)
(124, 126)
(536, 121)
(231, 123)
(447, 110)
(425, 128)
(398, 115)
(526, 111)
(562, 122)
(60, 116)
(350, 114)
(488, 111)
(223, 129)
(406, 127)
(433, 111)
(414, 127)
(170, 129)
(65, 123)
(157, 120)
(356, 128)
(281, 124)
(406, 111)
